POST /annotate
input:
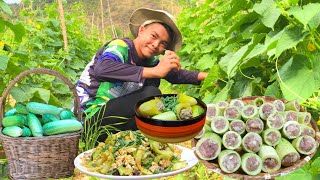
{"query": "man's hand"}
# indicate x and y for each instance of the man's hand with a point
(169, 61)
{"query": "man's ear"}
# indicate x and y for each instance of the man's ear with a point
(141, 29)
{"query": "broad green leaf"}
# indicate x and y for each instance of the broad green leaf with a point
(306, 13)
(231, 61)
(244, 87)
(269, 12)
(20, 94)
(188, 48)
(44, 94)
(315, 166)
(206, 62)
(273, 90)
(18, 30)
(3, 62)
(289, 39)
(247, 18)
(223, 95)
(211, 78)
(218, 31)
(256, 51)
(5, 7)
(55, 101)
(300, 77)
(297, 174)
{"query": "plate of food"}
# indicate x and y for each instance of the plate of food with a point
(256, 137)
(130, 155)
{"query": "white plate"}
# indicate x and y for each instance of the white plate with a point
(187, 154)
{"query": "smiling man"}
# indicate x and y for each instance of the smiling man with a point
(124, 71)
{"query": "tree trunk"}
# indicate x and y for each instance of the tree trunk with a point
(63, 27)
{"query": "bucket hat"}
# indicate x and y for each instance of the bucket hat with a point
(147, 16)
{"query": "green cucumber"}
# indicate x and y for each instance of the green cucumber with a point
(287, 153)
(305, 144)
(271, 136)
(304, 117)
(213, 111)
(251, 163)
(229, 161)
(291, 130)
(279, 105)
(258, 101)
(267, 109)
(49, 118)
(15, 120)
(270, 159)
(231, 140)
(66, 114)
(34, 125)
(13, 131)
(292, 105)
(249, 111)
(169, 115)
(307, 130)
(11, 112)
(26, 132)
(209, 146)
(41, 108)
(220, 124)
(237, 103)
(232, 112)
(21, 108)
(237, 126)
(60, 127)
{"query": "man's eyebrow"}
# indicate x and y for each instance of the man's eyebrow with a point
(157, 35)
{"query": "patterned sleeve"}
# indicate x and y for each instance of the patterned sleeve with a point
(113, 64)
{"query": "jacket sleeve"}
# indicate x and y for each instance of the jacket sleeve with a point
(183, 77)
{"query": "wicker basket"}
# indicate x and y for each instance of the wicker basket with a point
(41, 157)
(239, 174)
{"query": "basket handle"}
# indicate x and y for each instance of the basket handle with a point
(77, 110)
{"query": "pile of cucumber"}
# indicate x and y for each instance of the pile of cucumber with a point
(249, 137)
(35, 119)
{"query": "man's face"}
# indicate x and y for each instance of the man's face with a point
(153, 40)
